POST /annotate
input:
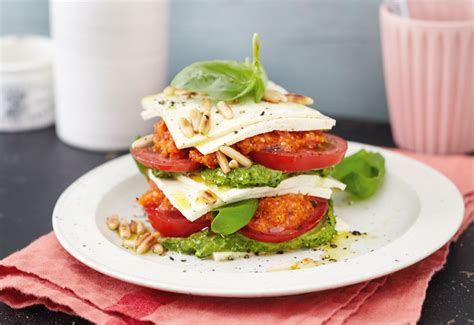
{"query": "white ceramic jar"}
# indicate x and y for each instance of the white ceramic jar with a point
(26, 84)
(108, 55)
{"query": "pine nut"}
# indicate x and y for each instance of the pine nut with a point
(234, 154)
(208, 196)
(169, 91)
(206, 106)
(274, 96)
(129, 243)
(182, 92)
(225, 110)
(143, 141)
(158, 249)
(133, 226)
(186, 127)
(299, 99)
(113, 222)
(233, 164)
(124, 230)
(137, 227)
(205, 124)
(146, 245)
(141, 238)
(195, 116)
(222, 161)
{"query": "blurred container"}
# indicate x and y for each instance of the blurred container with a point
(26, 85)
(429, 75)
(108, 54)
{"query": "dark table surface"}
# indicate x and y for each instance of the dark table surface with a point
(35, 167)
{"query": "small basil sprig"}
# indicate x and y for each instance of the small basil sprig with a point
(231, 218)
(225, 79)
(362, 172)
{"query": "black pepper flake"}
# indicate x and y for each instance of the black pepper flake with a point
(356, 233)
(344, 248)
(172, 103)
(161, 102)
(262, 113)
(279, 252)
(213, 270)
(171, 258)
(183, 261)
(332, 260)
(246, 256)
(236, 131)
(256, 253)
(313, 204)
(333, 245)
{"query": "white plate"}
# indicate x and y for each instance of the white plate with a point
(416, 211)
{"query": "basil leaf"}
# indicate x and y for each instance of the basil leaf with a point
(162, 174)
(225, 79)
(231, 218)
(363, 173)
(141, 168)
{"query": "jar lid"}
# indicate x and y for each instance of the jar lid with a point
(23, 53)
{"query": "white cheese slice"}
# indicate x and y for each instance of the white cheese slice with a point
(249, 119)
(184, 192)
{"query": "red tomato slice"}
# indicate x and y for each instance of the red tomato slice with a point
(288, 234)
(171, 223)
(148, 158)
(305, 159)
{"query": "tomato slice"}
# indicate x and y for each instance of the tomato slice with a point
(148, 158)
(287, 234)
(332, 154)
(171, 223)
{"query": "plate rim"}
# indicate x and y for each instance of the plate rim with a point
(264, 292)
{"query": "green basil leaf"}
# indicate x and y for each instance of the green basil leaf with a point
(221, 80)
(231, 218)
(225, 79)
(362, 172)
(162, 174)
(141, 168)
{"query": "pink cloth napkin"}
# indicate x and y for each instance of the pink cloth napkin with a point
(43, 273)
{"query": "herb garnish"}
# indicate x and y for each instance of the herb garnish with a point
(225, 79)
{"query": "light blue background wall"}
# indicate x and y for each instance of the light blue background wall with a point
(328, 49)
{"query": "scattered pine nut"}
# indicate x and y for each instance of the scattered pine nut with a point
(169, 91)
(143, 141)
(129, 243)
(182, 92)
(234, 154)
(222, 161)
(206, 106)
(208, 196)
(225, 110)
(186, 127)
(195, 116)
(141, 228)
(158, 249)
(273, 96)
(233, 164)
(141, 238)
(299, 99)
(205, 124)
(146, 244)
(133, 227)
(124, 230)
(113, 222)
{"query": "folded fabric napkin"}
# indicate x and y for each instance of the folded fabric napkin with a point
(43, 273)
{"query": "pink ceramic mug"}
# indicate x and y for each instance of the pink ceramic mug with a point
(429, 75)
